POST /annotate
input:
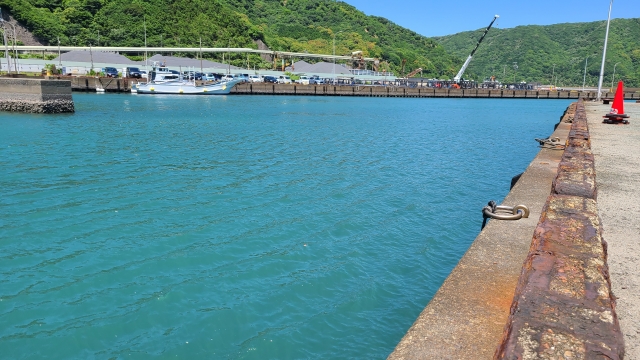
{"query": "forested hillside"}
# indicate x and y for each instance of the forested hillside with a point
(286, 25)
(536, 49)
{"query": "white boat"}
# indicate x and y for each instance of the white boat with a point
(163, 81)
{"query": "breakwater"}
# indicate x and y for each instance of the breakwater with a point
(35, 95)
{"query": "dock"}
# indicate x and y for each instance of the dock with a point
(562, 283)
(90, 83)
(412, 92)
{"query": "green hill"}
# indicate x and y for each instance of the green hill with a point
(537, 48)
(286, 25)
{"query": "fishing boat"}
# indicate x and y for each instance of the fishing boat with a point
(163, 81)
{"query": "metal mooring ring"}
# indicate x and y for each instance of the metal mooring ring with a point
(502, 212)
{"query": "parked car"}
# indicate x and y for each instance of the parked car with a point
(255, 78)
(192, 75)
(111, 72)
(133, 72)
(227, 77)
(284, 79)
(304, 80)
(212, 77)
(144, 74)
(270, 79)
(241, 77)
(315, 79)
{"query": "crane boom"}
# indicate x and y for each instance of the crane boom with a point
(466, 63)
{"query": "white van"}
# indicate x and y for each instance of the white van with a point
(284, 79)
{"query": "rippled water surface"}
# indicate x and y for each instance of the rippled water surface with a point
(243, 227)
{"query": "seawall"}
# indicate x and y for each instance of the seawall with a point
(417, 92)
(558, 304)
(36, 95)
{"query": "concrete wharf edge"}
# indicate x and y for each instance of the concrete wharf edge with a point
(466, 317)
(563, 307)
(90, 83)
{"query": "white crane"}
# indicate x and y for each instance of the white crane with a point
(466, 63)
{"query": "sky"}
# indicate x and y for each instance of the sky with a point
(446, 17)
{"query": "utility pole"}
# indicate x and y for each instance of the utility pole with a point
(604, 53)
(334, 54)
(6, 47)
(614, 75)
(59, 56)
(200, 55)
(144, 22)
(515, 68)
(553, 73)
(584, 78)
(91, 54)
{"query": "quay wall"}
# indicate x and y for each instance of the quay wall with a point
(563, 304)
(535, 288)
(35, 95)
(90, 83)
(418, 92)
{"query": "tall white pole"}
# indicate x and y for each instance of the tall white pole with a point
(604, 53)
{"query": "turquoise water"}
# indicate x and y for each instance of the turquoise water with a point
(243, 227)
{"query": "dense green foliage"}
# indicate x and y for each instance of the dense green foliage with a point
(285, 25)
(537, 48)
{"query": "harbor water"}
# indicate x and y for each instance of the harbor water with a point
(243, 227)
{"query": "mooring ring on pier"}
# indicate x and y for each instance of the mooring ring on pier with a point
(551, 143)
(502, 212)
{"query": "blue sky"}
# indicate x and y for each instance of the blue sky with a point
(444, 17)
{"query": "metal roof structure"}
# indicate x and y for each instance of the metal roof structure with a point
(279, 54)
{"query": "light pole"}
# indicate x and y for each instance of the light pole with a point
(334, 54)
(584, 78)
(604, 53)
(515, 68)
(553, 73)
(614, 75)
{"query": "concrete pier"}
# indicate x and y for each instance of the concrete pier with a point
(540, 288)
(36, 95)
(617, 166)
(466, 317)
